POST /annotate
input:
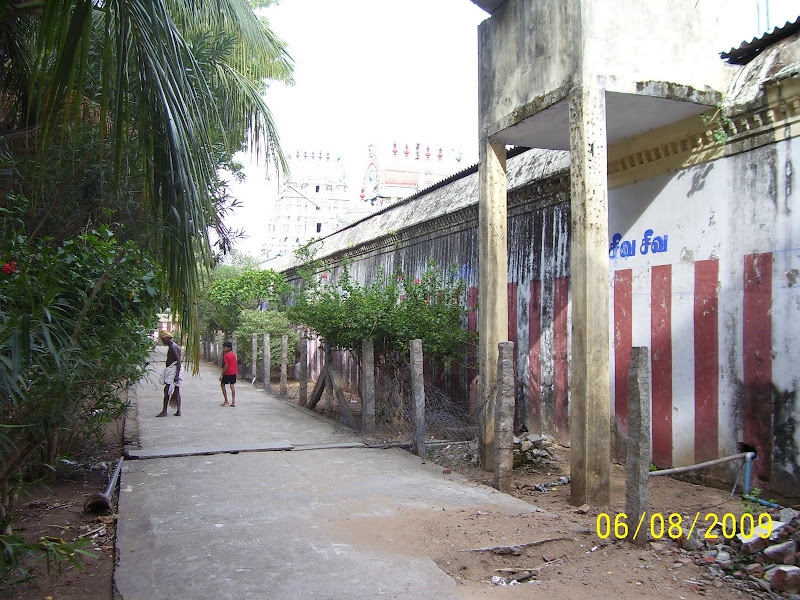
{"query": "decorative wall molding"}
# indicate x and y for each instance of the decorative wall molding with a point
(691, 141)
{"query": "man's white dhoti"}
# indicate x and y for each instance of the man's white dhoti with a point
(168, 377)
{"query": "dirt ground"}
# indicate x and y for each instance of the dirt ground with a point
(55, 509)
(555, 552)
(574, 562)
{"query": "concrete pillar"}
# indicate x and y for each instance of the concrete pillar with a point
(492, 286)
(267, 365)
(234, 345)
(254, 359)
(637, 488)
(303, 375)
(590, 408)
(418, 399)
(504, 418)
(367, 386)
(284, 360)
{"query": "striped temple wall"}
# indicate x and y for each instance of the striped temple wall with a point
(719, 310)
(705, 271)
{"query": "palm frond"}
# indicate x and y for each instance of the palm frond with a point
(245, 104)
(153, 94)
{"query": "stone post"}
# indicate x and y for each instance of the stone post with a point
(267, 365)
(492, 285)
(367, 386)
(303, 396)
(590, 403)
(504, 418)
(234, 345)
(328, 364)
(637, 465)
(284, 360)
(418, 399)
(254, 359)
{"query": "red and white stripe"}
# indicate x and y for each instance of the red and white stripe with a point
(712, 333)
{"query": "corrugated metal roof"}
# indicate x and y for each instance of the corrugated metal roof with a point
(747, 51)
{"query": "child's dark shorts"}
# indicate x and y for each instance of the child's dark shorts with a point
(228, 379)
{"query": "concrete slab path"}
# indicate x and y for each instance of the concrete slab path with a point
(249, 503)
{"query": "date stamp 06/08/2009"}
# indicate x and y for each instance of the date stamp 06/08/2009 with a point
(672, 525)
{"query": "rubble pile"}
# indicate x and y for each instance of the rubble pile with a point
(535, 451)
(766, 567)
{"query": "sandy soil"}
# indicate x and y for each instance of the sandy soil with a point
(577, 563)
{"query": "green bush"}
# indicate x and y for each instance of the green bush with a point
(273, 322)
(73, 337)
(390, 311)
(19, 560)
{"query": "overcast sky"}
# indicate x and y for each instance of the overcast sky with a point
(369, 71)
(384, 71)
(378, 71)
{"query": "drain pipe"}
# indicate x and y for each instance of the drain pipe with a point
(748, 460)
(101, 502)
(748, 469)
(710, 463)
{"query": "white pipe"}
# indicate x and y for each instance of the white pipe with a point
(699, 465)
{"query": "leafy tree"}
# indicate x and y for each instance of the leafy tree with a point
(250, 289)
(273, 322)
(390, 311)
(233, 290)
(170, 88)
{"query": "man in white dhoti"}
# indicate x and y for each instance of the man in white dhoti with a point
(172, 376)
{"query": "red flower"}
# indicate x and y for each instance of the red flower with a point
(324, 275)
(10, 267)
(416, 282)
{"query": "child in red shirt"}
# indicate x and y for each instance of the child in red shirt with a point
(230, 369)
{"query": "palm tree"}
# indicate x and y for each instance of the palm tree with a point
(169, 85)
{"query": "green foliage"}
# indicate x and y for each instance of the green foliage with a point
(132, 108)
(233, 290)
(391, 311)
(751, 504)
(73, 323)
(720, 121)
(250, 288)
(273, 322)
(19, 559)
(116, 119)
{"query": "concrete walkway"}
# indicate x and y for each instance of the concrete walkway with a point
(250, 503)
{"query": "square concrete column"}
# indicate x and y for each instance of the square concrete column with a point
(492, 286)
(303, 375)
(267, 365)
(254, 354)
(368, 386)
(590, 401)
(504, 418)
(637, 465)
